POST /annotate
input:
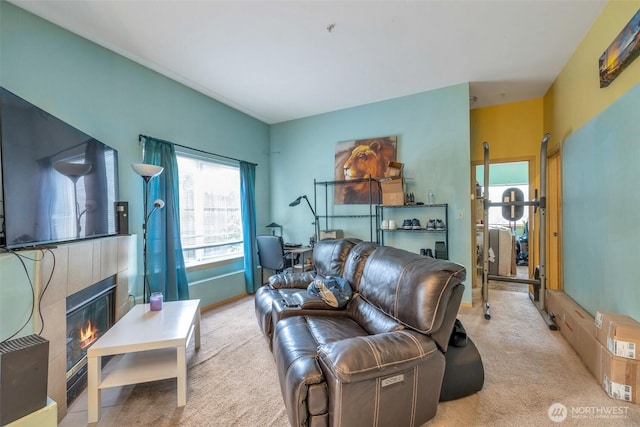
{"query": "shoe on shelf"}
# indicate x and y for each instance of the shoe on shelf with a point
(415, 224)
(440, 225)
(406, 224)
(384, 225)
(431, 225)
(393, 225)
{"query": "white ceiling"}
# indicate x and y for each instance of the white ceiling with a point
(282, 60)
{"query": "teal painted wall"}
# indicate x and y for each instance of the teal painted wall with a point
(512, 173)
(226, 283)
(16, 294)
(600, 206)
(114, 99)
(433, 142)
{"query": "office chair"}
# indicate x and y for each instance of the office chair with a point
(271, 255)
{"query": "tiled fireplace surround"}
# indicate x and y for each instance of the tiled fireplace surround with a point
(77, 266)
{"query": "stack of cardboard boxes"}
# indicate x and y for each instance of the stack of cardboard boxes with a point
(607, 344)
(392, 185)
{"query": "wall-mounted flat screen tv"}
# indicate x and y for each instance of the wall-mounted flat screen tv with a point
(59, 184)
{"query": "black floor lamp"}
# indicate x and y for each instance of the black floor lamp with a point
(147, 172)
(316, 220)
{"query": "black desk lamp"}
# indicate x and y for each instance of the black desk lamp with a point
(316, 222)
(274, 225)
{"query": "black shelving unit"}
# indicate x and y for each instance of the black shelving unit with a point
(370, 211)
(441, 209)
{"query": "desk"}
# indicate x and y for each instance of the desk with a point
(302, 251)
(154, 347)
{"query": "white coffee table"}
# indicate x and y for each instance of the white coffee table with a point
(154, 344)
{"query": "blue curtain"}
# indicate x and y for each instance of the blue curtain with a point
(248, 194)
(165, 262)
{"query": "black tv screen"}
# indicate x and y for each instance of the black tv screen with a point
(59, 184)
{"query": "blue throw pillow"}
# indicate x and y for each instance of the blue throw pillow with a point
(334, 291)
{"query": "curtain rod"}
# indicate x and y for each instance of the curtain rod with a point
(198, 150)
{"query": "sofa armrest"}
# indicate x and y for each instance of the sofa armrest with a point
(312, 302)
(366, 357)
(305, 304)
(291, 280)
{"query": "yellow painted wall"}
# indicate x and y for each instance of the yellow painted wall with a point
(576, 97)
(512, 130)
(515, 130)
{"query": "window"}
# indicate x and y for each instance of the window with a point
(503, 176)
(210, 211)
(495, 213)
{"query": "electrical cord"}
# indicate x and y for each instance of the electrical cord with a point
(44, 289)
(3, 233)
(21, 258)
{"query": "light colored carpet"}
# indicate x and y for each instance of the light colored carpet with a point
(232, 379)
(508, 286)
(527, 369)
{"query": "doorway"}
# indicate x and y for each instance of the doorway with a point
(504, 174)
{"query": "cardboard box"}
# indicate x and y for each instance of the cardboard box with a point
(572, 316)
(619, 333)
(569, 329)
(620, 377)
(554, 305)
(331, 234)
(392, 191)
(394, 169)
(565, 310)
(589, 348)
(501, 245)
(569, 316)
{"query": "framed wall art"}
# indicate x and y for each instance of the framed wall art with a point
(361, 159)
(621, 52)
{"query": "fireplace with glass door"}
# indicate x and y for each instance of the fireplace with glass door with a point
(90, 313)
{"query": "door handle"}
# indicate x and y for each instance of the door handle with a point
(555, 234)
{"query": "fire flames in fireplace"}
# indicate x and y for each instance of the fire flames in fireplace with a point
(90, 313)
(88, 334)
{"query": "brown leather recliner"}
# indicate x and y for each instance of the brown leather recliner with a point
(328, 259)
(379, 361)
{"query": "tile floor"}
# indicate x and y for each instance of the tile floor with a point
(112, 401)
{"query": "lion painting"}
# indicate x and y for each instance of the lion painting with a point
(362, 159)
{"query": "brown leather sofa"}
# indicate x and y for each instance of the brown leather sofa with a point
(328, 259)
(380, 360)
